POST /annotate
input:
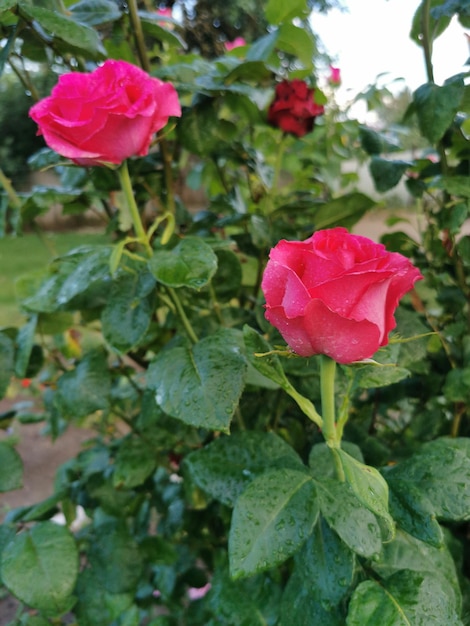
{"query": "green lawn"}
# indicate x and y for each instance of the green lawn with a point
(20, 255)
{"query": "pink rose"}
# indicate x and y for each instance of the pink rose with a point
(238, 42)
(166, 12)
(105, 116)
(335, 293)
(335, 76)
(294, 109)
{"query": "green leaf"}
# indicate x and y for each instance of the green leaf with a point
(225, 467)
(369, 486)
(455, 185)
(440, 472)
(407, 553)
(89, 266)
(436, 107)
(297, 41)
(150, 26)
(84, 389)
(387, 174)
(96, 605)
(198, 129)
(268, 365)
(200, 385)
(272, 518)
(6, 5)
(405, 599)
(126, 317)
(40, 567)
(135, 461)
(278, 11)
(251, 601)
(95, 12)
(115, 557)
(62, 28)
(457, 384)
(326, 564)
(373, 376)
(7, 356)
(374, 142)
(301, 607)
(352, 521)
(345, 211)
(192, 263)
(228, 277)
(262, 48)
(25, 342)
(253, 71)
(414, 512)
(436, 26)
(11, 473)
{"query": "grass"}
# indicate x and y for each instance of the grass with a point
(21, 255)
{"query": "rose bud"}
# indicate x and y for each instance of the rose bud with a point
(105, 116)
(335, 293)
(294, 109)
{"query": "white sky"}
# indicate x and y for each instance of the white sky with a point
(373, 38)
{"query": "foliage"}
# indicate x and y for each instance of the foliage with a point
(17, 131)
(211, 496)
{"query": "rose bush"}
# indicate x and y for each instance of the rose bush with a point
(335, 293)
(107, 115)
(294, 109)
(227, 481)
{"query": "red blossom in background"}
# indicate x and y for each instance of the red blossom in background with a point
(335, 293)
(105, 116)
(294, 109)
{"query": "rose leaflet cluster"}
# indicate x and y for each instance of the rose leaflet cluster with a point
(335, 293)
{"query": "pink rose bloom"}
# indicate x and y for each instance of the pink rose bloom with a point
(167, 12)
(105, 116)
(335, 293)
(238, 42)
(294, 109)
(335, 75)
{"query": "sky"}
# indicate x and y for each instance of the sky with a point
(372, 37)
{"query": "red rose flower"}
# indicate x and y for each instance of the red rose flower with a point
(294, 109)
(105, 116)
(335, 293)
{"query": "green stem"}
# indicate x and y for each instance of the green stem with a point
(427, 39)
(168, 173)
(126, 186)
(278, 164)
(138, 35)
(343, 414)
(182, 314)
(327, 386)
(14, 198)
